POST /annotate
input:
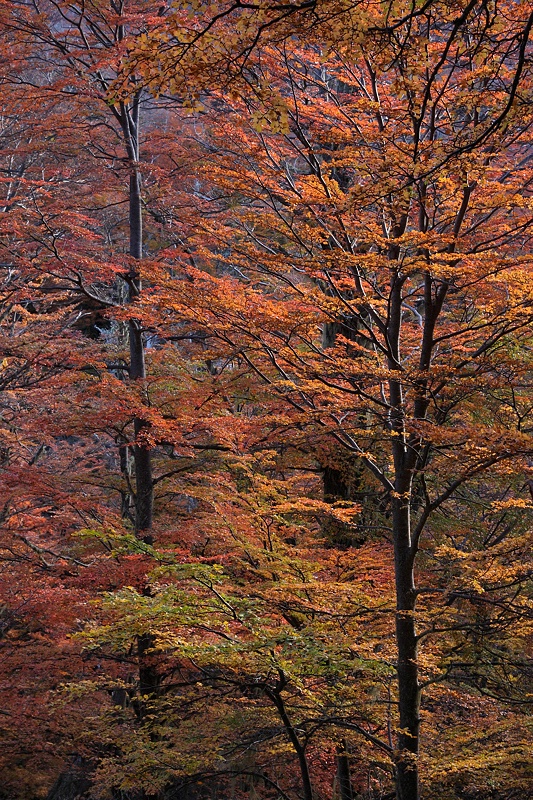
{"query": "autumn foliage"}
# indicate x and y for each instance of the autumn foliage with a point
(266, 391)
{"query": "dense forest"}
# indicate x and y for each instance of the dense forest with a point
(266, 400)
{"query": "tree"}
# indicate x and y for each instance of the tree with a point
(189, 53)
(85, 45)
(382, 190)
(338, 305)
(63, 366)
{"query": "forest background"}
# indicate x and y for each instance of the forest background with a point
(266, 392)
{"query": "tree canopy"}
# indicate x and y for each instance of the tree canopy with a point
(266, 391)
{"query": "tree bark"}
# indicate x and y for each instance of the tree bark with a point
(343, 772)
(405, 459)
(407, 667)
(142, 457)
(307, 786)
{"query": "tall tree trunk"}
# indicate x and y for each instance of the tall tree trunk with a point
(343, 772)
(405, 458)
(407, 666)
(142, 457)
(144, 488)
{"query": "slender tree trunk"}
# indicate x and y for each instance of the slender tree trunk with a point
(405, 457)
(141, 454)
(407, 667)
(144, 487)
(343, 772)
(307, 786)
